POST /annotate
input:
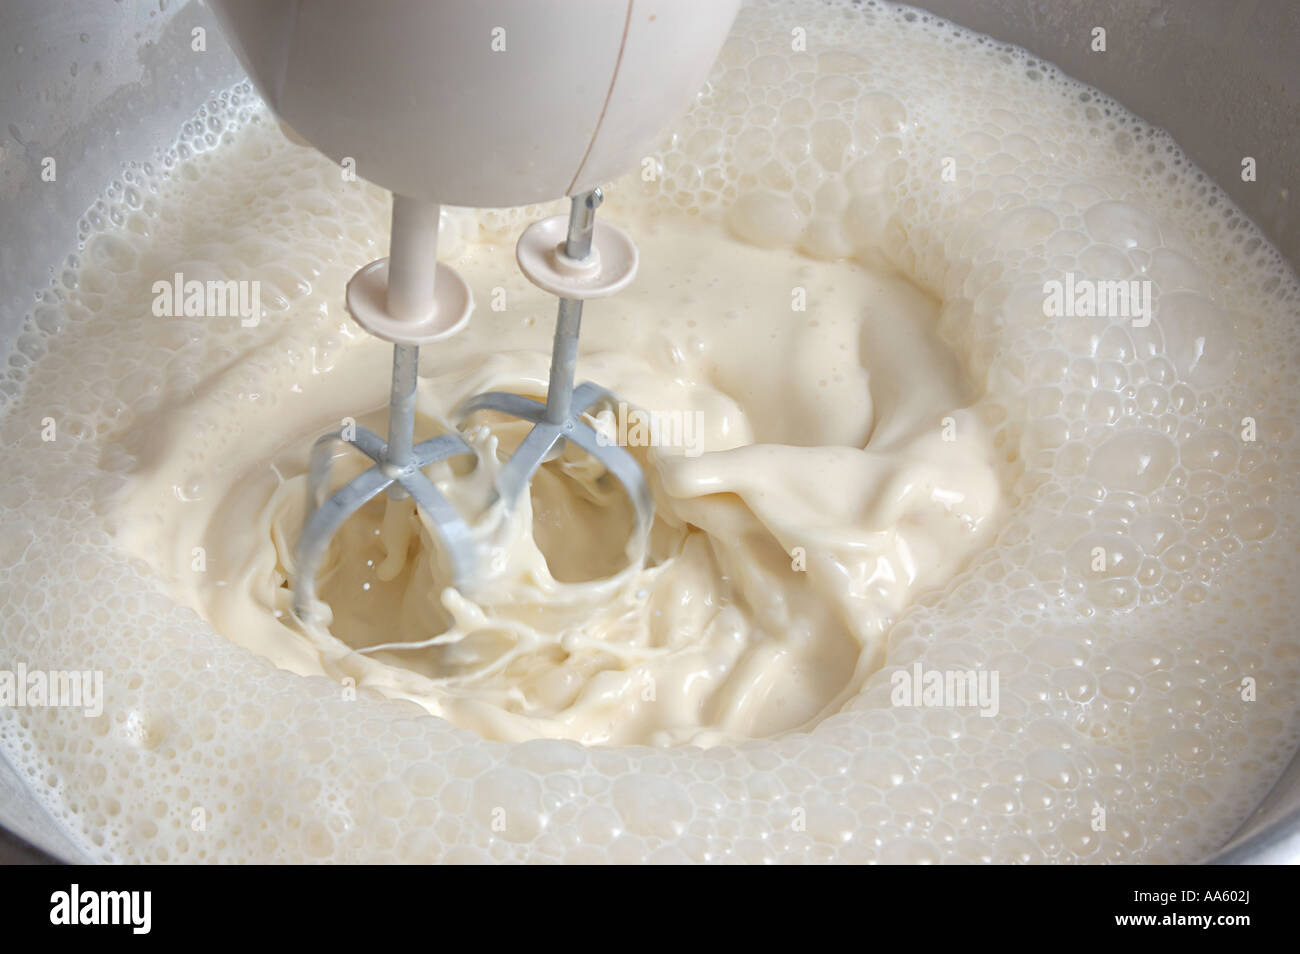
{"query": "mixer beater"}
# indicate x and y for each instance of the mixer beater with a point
(589, 264)
(404, 300)
(410, 299)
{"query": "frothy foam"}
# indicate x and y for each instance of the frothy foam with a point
(1136, 604)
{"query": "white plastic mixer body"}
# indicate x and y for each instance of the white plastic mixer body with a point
(486, 103)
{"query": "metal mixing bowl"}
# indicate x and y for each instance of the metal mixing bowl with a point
(99, 84)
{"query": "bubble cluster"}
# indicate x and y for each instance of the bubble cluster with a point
(1138, 605)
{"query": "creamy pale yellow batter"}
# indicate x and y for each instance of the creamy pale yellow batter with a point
(823, 490)
(931, 470)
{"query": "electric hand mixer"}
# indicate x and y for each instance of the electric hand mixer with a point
(486, 103)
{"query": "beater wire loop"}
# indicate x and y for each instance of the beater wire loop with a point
(399, 469)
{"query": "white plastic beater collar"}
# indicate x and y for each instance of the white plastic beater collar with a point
(608, 268)
(410, 298)
(368, 297)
